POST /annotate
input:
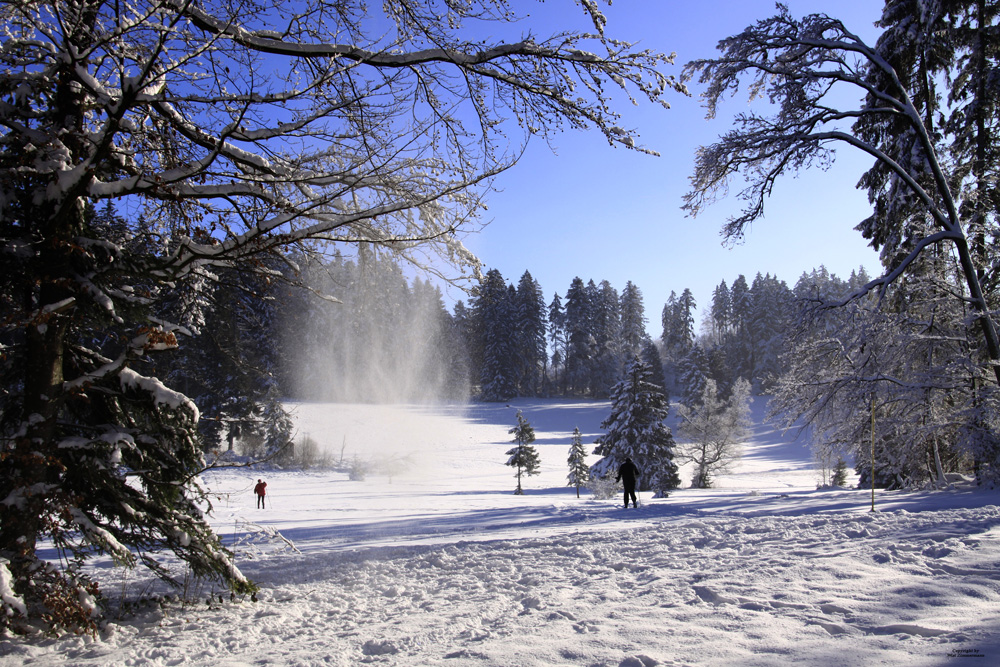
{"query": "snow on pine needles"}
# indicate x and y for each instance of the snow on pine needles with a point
(443, 565)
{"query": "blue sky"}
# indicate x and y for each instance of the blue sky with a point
(599, 212)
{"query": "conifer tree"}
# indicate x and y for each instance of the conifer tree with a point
(839, 473)
(651, 356)
(530, 353)
(721, 310)
(579, 471)
(633, 319)
(635, 430)
(607, 362)
(579, 331)
(559, 340)
(493, 309)
(523, 455)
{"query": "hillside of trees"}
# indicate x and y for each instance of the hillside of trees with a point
(364, 331)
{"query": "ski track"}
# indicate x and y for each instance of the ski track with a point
(752, 590)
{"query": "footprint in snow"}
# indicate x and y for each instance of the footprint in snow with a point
(639, 661)
(586, 627)
(711, 597)
(908, 629)
(559, 615)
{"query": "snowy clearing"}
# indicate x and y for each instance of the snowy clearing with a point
(442, 565)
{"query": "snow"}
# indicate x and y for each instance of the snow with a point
(443, 565)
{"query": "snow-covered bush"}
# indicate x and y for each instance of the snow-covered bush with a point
(604, 488)
(358, 469)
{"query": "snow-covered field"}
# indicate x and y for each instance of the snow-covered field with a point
(442, 565)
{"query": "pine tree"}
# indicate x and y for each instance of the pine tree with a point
(493, 308)
(579, 471)
(523, 456)
(560, 342)
(633, 319)
(607, 360)
(692, 373)
(530, 354)
(579, 331)
(652, 359)
(678, 325)
(635, 430)
(721, 311)
(839, 473)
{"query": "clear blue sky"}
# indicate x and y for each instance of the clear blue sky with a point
(599, 212)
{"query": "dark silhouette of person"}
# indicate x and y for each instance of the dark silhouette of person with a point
(261, 491)
(627, 473)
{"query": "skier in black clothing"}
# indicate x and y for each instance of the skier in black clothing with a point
(627, 473)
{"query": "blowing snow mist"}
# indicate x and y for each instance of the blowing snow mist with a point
(388, 341)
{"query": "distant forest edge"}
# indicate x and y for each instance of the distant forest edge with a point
(898, 369)
(361, 331)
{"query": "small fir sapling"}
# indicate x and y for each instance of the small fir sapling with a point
(840, 473)
(579, 471)
(523, 456)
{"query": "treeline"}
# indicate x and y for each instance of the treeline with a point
(333, 328)
(746, 331)
(574, 346)
(363, 331)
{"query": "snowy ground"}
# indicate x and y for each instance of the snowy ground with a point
(443, 565)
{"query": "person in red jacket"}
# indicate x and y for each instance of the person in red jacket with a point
(260, 490)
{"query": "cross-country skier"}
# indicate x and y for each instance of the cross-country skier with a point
(627, 473)
(261, 490)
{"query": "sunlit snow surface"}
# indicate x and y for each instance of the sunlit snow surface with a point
(443, 565)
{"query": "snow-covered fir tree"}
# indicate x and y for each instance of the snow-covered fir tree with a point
(580, 340)
(678, 325)
(839, 477)
(635, 430)
(494, 311)
(523, 455)
(606, 332)
(633, 321)
(530, 353)
(579, 471)
(651, 356)
(559, 341)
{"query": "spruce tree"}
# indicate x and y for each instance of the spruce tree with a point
(560, 342)
(580, 337)
(607, 362)
(523, 456)
(635, 430)
(651, 356)
(633, 321)
(579, 471)
(530, 353)
(493, 309)
(839, 473)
